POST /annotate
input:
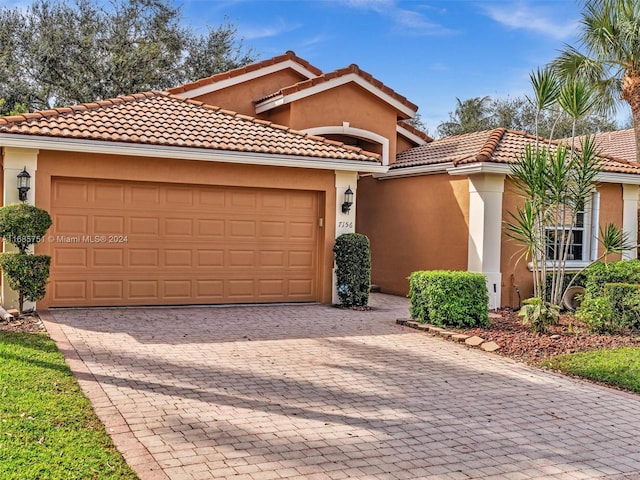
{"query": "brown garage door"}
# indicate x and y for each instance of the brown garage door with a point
(128, 243)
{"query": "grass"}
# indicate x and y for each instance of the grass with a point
(48, 429)
(619, 367)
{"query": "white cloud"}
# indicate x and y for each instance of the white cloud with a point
(273, 30)
(404, 21)
(538, 19)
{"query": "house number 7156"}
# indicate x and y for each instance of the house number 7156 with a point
(345, 224)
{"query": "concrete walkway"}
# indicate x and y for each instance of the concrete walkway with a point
(315, 392)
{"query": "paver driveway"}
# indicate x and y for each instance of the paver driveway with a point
(312, 391)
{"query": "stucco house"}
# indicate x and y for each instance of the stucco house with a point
(443, 206)
(232, 189)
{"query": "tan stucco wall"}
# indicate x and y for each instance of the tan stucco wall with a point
(79, 165)
(239, 98)
(346, 103)
(610, 209)
(402, 144)
(415, 223)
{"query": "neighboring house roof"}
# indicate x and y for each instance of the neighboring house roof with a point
(237, 75)
(619, 144)
(352, 73)
(158, 118)
(493, 146)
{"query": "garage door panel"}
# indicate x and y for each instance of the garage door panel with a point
(144, 226)
(68, 224)
(108, 290)
(145, 195)
(108, 257)
(181, 244)
(103, 225)
(70, 257)
(109, 193)
(143, 289)
(68, 291)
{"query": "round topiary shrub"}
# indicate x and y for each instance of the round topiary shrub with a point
(23, 225)
(353, 269)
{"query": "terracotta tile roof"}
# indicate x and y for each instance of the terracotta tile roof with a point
(619, 144)
(289, 55)
(353, 68)
(158, 118)
(495, 146)
(415, 131)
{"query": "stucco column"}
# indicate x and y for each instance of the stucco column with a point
(630, 218)
(345, 222)
(15, 159)
(485, 230)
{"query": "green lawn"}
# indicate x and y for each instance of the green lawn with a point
(619, 367)
(47, 427)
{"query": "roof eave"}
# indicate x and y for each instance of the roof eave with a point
(245, 77)
(283, 99)
(188, 153)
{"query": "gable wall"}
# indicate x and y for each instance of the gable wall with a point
(346, 103)
(239, 98)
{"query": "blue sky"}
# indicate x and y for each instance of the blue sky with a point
(430, 51)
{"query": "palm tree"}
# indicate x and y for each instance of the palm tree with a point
(610, 40)
(471, 115)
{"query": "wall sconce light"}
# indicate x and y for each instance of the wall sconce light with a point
(24, 184)
(348, 200)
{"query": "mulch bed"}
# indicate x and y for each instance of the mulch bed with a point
(517, 341)
(29, 323)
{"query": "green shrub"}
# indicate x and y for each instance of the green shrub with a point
(27, 274)
(23, 225)
(625, 303)
(597, 314)
(539, 314)
(449, 299)
(353, 269)
(599, 273)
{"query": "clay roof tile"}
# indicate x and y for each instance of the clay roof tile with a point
(159, 118)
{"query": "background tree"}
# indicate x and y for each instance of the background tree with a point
(417, 122)
(58, 53)
(608, 55)
(519, 113)
(471, 115)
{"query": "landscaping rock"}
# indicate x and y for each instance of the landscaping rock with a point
(474, 341)
(14, 312)
(401, 321)
(434, 329)
(490, 346)
(459, 337)
(446, 333)
(412, 324)
(554, 337)
(423, 327)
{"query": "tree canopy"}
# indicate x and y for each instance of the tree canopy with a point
(519, 113)
(608, 55)
(58, 53)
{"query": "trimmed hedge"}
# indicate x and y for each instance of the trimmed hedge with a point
(625, 303)
(449, 299)
(599, 273)
(353, 269)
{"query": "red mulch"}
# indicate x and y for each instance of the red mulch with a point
(517, 341)
(29, 323)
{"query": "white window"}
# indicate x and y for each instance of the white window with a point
(582, 234)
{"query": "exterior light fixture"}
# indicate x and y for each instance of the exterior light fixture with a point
(24, 184)
(348, 200)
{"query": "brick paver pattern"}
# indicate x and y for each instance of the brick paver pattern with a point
(317, 392)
